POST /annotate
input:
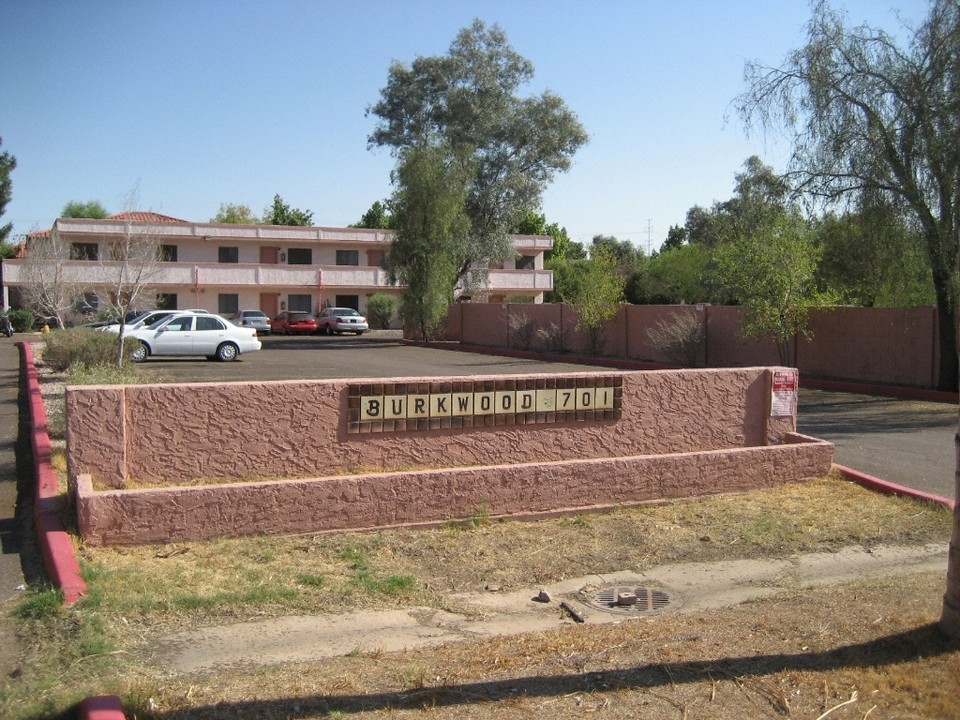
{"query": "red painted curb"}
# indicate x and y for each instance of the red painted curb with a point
(101, 707)
(59, 558)
(889, 488)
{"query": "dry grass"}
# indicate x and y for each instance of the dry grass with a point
(792, 656)
(192, 582)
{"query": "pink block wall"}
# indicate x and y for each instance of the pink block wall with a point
(896, 346)
(289, 429)
(353, 502)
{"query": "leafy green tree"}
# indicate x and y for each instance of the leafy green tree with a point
(280, 213)
(676, 237)
(868, 115)
(90, 209)
(630, 261)
(381, 308)
(468, 100)
(772, 274)
(679, 275)
(236, 214)
(431, 231)
(376, 218)
(872, 257)
(8, 164)
(598, 295)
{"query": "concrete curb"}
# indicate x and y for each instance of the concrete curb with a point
(101, 707)
(889, 488)
(59, 557)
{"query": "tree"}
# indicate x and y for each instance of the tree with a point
(679, 275)
(431, 231)
(468, 101)
(8, 164)
(234, 214)
(676, 237)
(279, 213)
(376, 218)
(130, 267)
(48, 286)
(380, 309)
(771, 273)
(873, 257)
(598, 295)
(90, 209)
(866, 115)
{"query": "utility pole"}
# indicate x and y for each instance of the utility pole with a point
(649, 235)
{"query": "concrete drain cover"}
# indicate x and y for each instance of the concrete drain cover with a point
(631, 600)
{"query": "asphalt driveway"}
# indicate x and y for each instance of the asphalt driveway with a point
(909, 442)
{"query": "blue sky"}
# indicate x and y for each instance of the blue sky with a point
(194, 103)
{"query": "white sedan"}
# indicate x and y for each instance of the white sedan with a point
(193, 334)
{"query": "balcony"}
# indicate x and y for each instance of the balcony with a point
(213, 275)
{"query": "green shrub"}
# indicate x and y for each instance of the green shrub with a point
(75, 346)
(380, 310)
(22, 320)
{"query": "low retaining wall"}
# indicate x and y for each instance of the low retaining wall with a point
(315, 460)
(129, 517)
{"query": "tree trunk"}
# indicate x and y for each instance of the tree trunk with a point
(950, 614)
(947, 330)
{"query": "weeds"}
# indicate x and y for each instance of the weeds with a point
(39, 605)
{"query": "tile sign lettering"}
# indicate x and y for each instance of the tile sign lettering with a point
(418, 406)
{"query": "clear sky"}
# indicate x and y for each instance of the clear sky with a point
(194, 103)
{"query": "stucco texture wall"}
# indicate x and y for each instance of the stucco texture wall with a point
(177, 433)
(279, 458)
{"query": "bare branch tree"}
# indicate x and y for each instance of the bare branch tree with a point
(131, 264)
(47, 287)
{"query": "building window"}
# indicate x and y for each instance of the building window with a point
(167, 301)
(168, 253)
(228, 255)
(526, 262)
(348, 257)
(84, 251)
(350, 301)
(303, 303)
(300, 256)
(228, 303)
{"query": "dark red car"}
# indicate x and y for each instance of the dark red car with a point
(291, 322)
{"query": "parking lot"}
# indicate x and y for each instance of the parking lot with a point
(379, 353)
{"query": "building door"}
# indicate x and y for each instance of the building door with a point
(270, 304)
(269, 256)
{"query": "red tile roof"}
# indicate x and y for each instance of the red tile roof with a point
(151, 217)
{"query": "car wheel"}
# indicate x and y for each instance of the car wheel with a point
(140, 352)
(227, 352)
(359, 333)
(327, 330)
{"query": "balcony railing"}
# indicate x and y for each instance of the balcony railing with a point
(169, 275)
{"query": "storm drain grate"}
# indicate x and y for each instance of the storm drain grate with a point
(632, 600)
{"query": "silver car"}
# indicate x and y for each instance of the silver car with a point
(340, 320)
(253, 318)
(193, 333)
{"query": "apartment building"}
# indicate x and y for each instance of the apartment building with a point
(225, 268)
